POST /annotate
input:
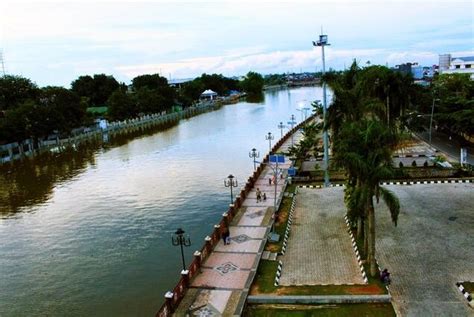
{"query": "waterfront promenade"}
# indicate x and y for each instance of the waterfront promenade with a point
(222, 284)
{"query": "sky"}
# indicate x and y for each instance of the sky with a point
(54, 42)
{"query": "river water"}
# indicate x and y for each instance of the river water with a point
(87, 233)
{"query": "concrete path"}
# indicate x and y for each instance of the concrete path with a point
(319, 248)
(223, 284)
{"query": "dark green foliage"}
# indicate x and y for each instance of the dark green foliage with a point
(121, 105)
(253, 83)
(95, 89)
(14, 90)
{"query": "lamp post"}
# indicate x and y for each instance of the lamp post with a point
(303, 109)
(431, 118)
(231, 181)
(180, 239)
(269, 137)
(254, 154)
(323, 41)
(292, 122)
(281, 126)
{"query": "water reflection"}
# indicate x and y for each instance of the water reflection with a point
(31, 181)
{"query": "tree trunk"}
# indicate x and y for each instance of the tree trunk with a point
(366, 239)
(371, 238)
(360, 229)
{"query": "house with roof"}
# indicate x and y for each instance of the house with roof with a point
(457, 65)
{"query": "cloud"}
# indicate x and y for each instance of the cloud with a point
(238, 64)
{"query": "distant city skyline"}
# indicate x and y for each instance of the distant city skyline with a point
(53, 43)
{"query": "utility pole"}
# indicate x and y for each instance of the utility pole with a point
(323, 41)
(2, 62)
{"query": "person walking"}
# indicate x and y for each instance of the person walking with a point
(259, 195)
(225, 235)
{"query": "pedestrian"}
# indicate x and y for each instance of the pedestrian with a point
(269, 181)
(264, 196)
(225, 235)
(259, 195)
(385, 277)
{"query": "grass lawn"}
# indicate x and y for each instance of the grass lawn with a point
(265, 279)
(469, 287)
(97, 110)
(281, 223)
(359, 310)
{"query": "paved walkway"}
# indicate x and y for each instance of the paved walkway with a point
(223, 284)
(431, 249)
(319, 248)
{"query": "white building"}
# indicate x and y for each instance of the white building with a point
(457, 65)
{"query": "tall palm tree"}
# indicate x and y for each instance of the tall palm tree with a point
(365, 148)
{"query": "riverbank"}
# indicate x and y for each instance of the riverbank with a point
(16, 151)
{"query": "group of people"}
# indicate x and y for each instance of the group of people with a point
(260, 196)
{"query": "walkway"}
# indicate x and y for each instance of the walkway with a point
(223, 284)
(319, 247)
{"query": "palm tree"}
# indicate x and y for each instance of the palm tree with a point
(365, 148)
(363, 119)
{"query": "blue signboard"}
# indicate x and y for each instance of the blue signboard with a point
(291, 171)
(277, 159)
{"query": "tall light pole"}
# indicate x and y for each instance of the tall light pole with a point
(269, 137)
(231, 181)
(254, 154)
(180, 239)
(323, 41)
(431, 118)
(292, 122)
(281, 126)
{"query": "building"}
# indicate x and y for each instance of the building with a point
(456, 65)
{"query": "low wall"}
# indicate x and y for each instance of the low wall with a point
(318, 299)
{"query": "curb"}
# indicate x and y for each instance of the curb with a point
(466, 294)
(449, 181)
(354, 246)
(278, 273)
(288, 225)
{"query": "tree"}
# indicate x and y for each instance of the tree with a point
(154, 86)
(253, 83)
(364, 140)
(66, 111)
(149, 101)
(96, 89)
(15, 90)
(121, 105)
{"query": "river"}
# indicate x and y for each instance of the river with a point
(88, 233)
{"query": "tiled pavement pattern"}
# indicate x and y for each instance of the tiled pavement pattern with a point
(430, 250)
(222, 286)
(319, 248)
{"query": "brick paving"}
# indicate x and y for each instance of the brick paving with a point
(220, 289)
(431, 249)
(319, 248)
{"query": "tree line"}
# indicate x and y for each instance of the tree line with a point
(28, 111)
